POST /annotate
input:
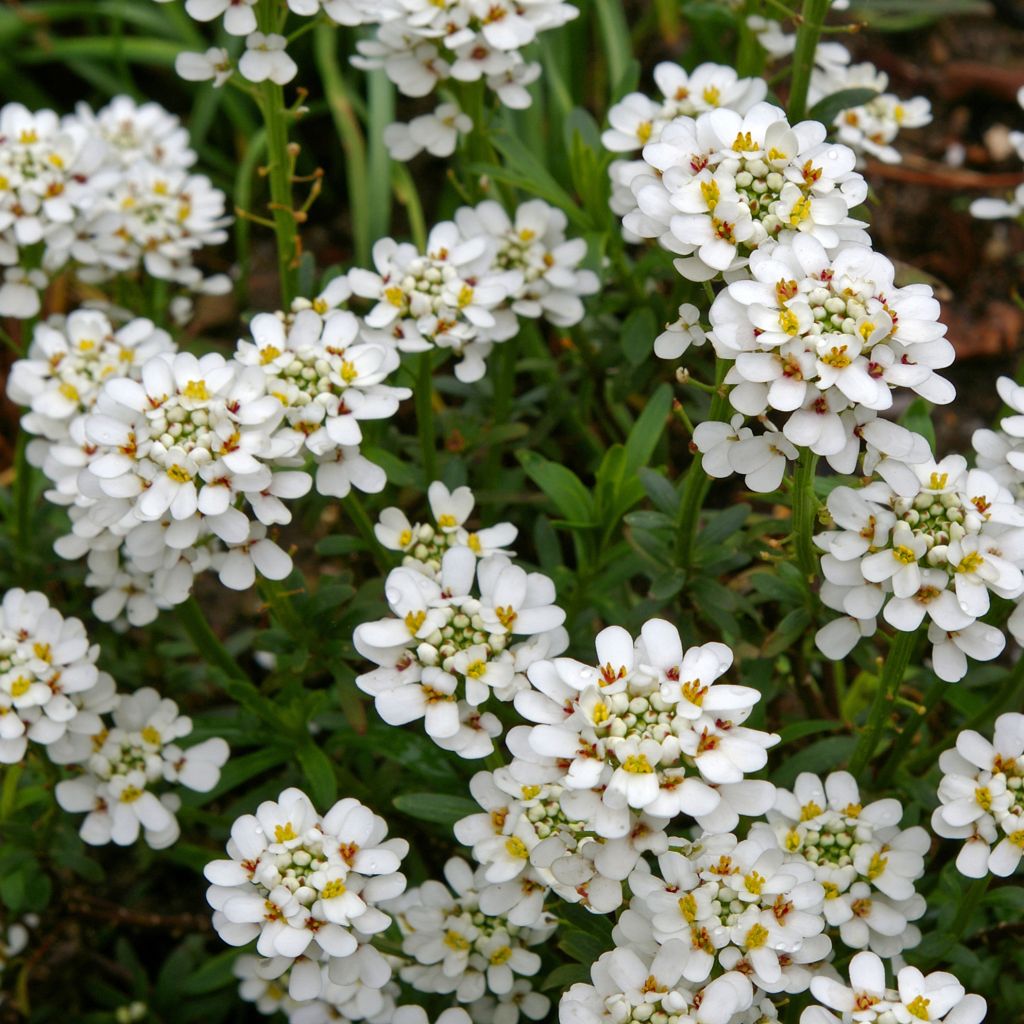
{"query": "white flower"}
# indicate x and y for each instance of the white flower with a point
(445, 644)
(646, 730)
(214, 64)
(810, 326)
(128, 761)
(982, 798)
(935, 554)
(719, 187)
(265, 58)
(681, 334)
(306, 885)
(47, 667)
(437, 133)
(533, 243)
(459, 948)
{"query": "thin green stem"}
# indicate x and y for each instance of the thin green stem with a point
(902, 744)
(697, 484)
(813, 16)
(279, 601)
(424, 399)
(206, 642)
(503, 375)
(279, 168)
(805, 513)
(968, 905)
(895, 665)
(361, 520)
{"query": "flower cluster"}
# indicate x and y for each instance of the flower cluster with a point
(982, 798)
(479, 273)
(108, 193)
(638, 119)
(865, 863)
(47, 670)
(452, 643)
(719, 186)
(870, 128)
(936, 553)
(121, 768)
(824, 341)
(308, 889)
(173, 464)
(423, 544)
(934, 997)
(632, 988)
(458, 948)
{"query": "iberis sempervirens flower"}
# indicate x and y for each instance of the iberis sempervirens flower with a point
(307, 887)
(820, 342)
(982, 798)
(719, 187)
(866, 864)
(648, 730)
(455, 641)
(935, 555)
(47, 666)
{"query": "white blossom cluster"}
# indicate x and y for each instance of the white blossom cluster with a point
(870, 128)
(933, 997)
(423, 544)
(47, 674)
(616, 752)
(1001, 452)
(865, 863)
(122, 767)
(982, 798)
(455, 638)
(458, 948)
(638, 119)
(932, 553)
(479, 273)
(719, 186)
(172, 465)
(106, 193)
(309, 889)
(820, 342)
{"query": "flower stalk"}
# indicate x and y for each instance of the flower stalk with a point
(206, 642)
(893, 670)
(813, 16)
(805, 513)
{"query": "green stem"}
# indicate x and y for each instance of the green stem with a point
(813, 16)
(805, 513)
(357, 513)
(905, 740)
(894, 666)
(280, 603)
(423, 395)
(206, 642)
(503, 375)
(697, 484)
(279, 170)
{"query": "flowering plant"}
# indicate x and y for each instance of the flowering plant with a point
(475, 543)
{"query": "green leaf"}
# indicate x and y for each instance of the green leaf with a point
(585, 947)
(565, 975)
(646, 433)
(723, 525)
(561, 485)
(918, 418)
(787, 633)
(638, 334)
(827, 109)
(439, 808)
(319, 772)
(823, 755)
(212, 974)
(797, 730)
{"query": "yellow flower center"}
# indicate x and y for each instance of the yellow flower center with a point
(918, 1006)
(904, 554)
(837, 357)
(744, 143)
(809, 810)
(405, 538)
(937, 481)
(476, 669)
(447, 521)
(413, 621)
(284, 833)
(332, 889)
(711, 194)
(179, 474)
(268, 354)
(151, 736)
(130, 794)
(196, 390)
(395, 296)
(877, 865)
(789, 322)
(20, 686)
(754, 883)
(637, 764)
(712, 95)
(453, 940)
(515, 847)
(971, 562)
(643, 131)
(506, 615)
(600, 713)
(501, 955)
(800, 212)
(688, 907)
(756, 937)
